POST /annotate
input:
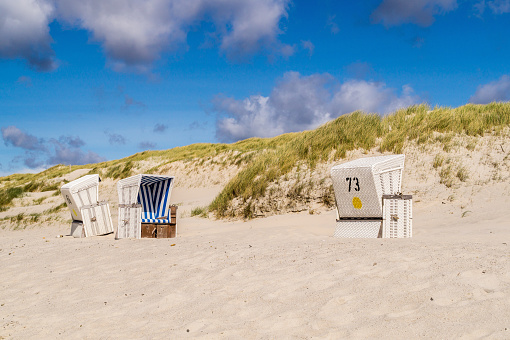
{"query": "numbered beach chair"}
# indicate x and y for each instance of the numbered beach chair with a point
(90, 216)
(369, 200)
(144, 209)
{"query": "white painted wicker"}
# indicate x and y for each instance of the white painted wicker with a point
(360, 184)
(97, 219)
(79, 193)
(357, 228)
(130, 210)
(130, 225)
(397, 216)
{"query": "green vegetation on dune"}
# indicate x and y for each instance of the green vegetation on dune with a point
(359, 130)
(264, 160)
(7, 195)
(419, 123)
(356, 130)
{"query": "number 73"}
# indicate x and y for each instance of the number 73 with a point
(353, 183)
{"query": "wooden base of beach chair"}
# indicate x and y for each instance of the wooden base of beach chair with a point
(161, 230)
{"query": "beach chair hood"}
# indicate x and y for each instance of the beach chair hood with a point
(79, 193)
(359, 185)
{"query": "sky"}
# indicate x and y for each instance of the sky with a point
(84, 81)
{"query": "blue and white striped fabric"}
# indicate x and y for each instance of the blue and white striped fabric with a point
(154, 198)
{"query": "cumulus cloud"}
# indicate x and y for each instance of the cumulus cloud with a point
(39, 152)
(160, 128)
(496, 7)
(419, 12)
(147, 145)
(499, 6)
(65, 152)
(332, 25)
(75, 142)
(130, 102)
(134, 33)
(196, 125)
(115, 138)
(498, 90)
(300, 103)
(27, 81)
(15, 137)
(24, 32)
(308, 45)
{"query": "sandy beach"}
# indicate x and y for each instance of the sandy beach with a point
(281, 277)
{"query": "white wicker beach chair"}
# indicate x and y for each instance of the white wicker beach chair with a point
(144, 209)
(360, 187)
(90, 217)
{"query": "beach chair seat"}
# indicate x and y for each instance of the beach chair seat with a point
(154, 201)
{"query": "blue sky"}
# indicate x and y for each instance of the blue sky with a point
(87, 80)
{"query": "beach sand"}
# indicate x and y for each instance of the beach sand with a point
(281, 277)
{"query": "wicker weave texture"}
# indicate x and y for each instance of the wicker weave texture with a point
(379, 163)
(355, 193)
(360, 184)
(79, 193)
(397, 218)
(97, 219)
(358, 229)
(129, 222)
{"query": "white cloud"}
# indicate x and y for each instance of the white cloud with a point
(333, 26)
(498, 90)
(115, 138)
(24, 32)
(66, 153)
(160, 128)
(420, 12)
(134, 33)
(499, 6)
(15, 137)
(39, 153)
(308, 45)
(300, 103)
(27, 81)
(146, 145)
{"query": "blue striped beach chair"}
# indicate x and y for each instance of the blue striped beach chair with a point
(144, 209)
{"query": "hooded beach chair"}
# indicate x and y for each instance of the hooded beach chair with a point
(369, 200)
(90, 217)
(144, 209)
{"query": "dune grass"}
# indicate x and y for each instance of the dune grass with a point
(356, 130)
(7, 195)
(359, 130)
(419, 123)
(199, 211)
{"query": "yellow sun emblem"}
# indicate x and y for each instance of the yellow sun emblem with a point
(356, 203)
